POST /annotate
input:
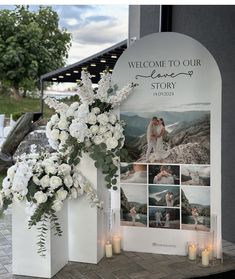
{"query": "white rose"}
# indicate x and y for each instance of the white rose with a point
(97, 140)
(11, 172)
(110, 127)
(45, 181)
(57, 205)
(55, 134)
(68, 181)
(6, 183)
(40, 197)
(118, 128)
(102, 129)
(36, 180)
(94, 129)
(103, 119)
(50, 169)
(61, 194)
(117, 135)
(108, 135)
(55, 182)
(112, 118)
(74, 193)
(111, 143)
(63, 124)
(49, 126)
(95, 110)
(91, 119)
(70, 112)
(54, 119)
(64, 136)
(75, 105)
(64, 169)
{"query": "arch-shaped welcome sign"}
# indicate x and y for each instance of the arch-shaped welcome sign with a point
(170, 186)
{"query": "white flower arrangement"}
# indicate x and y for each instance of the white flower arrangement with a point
(91, 125)
(46, 180)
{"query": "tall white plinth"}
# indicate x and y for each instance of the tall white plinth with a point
(25, 259)
(87, 227)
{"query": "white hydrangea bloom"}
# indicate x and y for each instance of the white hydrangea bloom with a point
(78, 130)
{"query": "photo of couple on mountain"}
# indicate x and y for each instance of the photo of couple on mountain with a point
(178, 137)
(155, 131)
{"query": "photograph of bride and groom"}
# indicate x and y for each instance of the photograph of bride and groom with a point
(178, 137)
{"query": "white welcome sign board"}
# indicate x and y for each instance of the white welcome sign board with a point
(170, 186)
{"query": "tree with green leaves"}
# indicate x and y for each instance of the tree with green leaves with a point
(31, 44)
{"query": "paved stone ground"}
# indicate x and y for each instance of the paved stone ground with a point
(128, 265)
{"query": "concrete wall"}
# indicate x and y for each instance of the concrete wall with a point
(139, 23)
(213, 26)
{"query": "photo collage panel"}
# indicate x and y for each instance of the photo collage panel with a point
(165, 196)
(165, 182)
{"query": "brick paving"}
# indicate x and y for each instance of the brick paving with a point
(128, 265)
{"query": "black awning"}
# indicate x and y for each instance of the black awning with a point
(95, 64)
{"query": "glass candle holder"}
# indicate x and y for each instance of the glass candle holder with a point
(192, 251)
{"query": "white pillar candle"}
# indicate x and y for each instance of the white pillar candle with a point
(192, 252)
(116, 240)
(210, 250)
(205, 257)
(108, 250)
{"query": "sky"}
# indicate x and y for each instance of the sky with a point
(135, 192)
(93, 27)
(197, 194)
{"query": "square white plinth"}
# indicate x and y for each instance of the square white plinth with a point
(87, 227)
(25, 259)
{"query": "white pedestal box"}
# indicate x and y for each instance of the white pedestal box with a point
(25, 259)
(87, 227)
